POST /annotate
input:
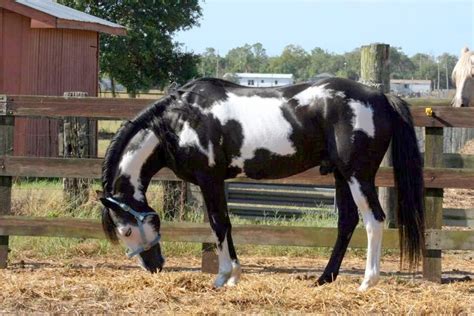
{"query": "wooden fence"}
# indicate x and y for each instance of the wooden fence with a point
(436, 178)
(256, 200)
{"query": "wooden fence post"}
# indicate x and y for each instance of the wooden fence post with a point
(76, 142)
(375, 72)
(209, 261)
(174, 199)
(433, 202)
(7, 124)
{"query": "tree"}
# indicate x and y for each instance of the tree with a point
(401, 66)
(352, 64)
(147, 56)
(293, 60)
(446, 66)
(319, 62)
(346, 65)
(425, 67)
(211, 64)
(247, 58)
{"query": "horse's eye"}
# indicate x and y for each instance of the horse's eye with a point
(128, 233)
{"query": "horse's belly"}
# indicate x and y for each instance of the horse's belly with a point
(264, 143)
(273, 156)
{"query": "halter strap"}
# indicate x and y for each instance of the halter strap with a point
(140, 217)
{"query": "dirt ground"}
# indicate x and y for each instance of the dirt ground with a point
(268, 285)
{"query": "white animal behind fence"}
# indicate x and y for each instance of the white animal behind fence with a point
(463, 78)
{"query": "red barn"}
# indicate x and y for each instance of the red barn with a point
(47, 49)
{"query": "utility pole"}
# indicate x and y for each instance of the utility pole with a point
(438, 74)
(447, 76)
(217, 65)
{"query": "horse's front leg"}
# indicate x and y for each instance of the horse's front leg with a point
(213, 191)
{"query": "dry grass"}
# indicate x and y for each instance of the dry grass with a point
(269, 285)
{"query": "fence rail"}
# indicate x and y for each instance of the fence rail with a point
(436, 178)
(91, 168)
(241, 234)
(116, 109)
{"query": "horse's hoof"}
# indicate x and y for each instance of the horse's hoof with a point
(363, 287)
(368, 283)
(324, 279)
(235, 276)
(221, 280)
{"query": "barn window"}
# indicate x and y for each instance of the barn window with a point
(250, 83)
(262, 81)
(276, 81)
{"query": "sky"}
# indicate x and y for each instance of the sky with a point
(417, 26)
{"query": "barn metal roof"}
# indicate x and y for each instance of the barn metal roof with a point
(56, 15)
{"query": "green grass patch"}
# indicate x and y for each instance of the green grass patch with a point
(108, 127)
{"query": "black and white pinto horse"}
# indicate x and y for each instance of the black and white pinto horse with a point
(210, 130)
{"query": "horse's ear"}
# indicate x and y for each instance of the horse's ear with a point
(464, 50)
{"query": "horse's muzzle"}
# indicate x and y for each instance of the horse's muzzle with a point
(152, 260)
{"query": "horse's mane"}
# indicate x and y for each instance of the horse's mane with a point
(126, 132)
(463, 68)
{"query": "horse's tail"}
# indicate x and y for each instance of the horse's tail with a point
(408, 169)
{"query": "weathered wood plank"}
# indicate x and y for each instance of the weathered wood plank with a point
(115, 108)
(458, 217)
(434, 178)
(423, 102)
(61, 167)
(444, 116)
(458, 213)
(58, 107)
(243, 234)
(457, 240)
(458, 161)
(91, 168)
(191, 232)
(433, 203)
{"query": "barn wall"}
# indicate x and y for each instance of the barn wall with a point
(44, 62)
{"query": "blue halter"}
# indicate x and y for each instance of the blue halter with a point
(140, 217)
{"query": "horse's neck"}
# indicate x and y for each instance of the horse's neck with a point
(133, 169)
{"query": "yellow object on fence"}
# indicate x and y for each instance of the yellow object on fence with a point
(429, 112)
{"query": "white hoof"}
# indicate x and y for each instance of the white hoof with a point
(235, 276)
(229, 278)
(368, 283)
(221, 280)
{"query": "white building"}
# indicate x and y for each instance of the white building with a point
(263, 80)
(409, 87)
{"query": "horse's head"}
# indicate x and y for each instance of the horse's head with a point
(463, 78)
(137, 225)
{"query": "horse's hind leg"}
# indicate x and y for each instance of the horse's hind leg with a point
(348, 219)
(365, 196)
(213, 191)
